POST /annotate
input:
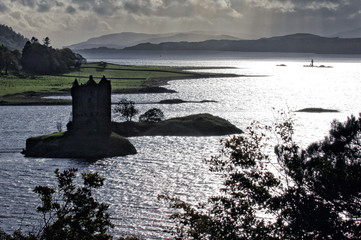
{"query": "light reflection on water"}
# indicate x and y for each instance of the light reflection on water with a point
(174, 165)
(163, 165)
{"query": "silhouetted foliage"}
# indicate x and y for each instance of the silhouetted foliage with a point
(34, 40)
(46, 41)
(126, 109)
(324, 200)
(70, 212)
(308, 194)
(77, 215)
(42, 59)
(69, 126)
(152, 116)
(17, 235)
(9, 60)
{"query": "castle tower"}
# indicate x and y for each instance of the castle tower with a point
(92, 106)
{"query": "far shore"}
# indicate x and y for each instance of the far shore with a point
(159, 77)
(37, 98)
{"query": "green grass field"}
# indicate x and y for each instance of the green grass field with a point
(121, 77)
(17, 89)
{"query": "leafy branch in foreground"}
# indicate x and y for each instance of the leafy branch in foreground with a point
(70, 212)
(77, 215)
(312, 193)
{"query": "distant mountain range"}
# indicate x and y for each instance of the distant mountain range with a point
(10, 39)
(347, 42)
(300, 42)
(129, 39)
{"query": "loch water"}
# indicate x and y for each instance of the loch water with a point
(174, 165)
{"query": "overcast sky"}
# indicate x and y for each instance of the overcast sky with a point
(71, 21)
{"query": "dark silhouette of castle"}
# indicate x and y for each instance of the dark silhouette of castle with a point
(92, 107)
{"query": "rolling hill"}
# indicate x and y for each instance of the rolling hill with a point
(10, 39)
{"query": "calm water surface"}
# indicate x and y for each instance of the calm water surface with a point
(174, 165)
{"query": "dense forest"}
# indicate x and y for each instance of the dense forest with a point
(30, 56)
(43, 59)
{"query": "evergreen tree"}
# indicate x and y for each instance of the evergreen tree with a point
(46, 41)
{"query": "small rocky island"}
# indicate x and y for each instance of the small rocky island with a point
(317, 110)
(92, 135)
(203, 124)
(89, 133)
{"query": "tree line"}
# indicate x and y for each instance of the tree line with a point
(39, 58)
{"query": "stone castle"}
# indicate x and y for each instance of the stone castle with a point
(92, 107)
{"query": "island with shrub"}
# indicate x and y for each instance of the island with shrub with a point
(92, 134)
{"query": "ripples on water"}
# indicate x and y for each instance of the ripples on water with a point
(174, 165)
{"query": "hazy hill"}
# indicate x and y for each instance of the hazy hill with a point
(354, 33)
(301, 42)
(128, 39)
(10, 39)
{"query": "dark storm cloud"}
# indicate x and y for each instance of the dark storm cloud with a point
(70, 10)
(338, 10)
(146, 7)
(28, 3)
(100, 7)
(136, 7)
(59, 4)
(177, 9)
(105, 8)
(133, 7)
(84, 5)
(44, 5)
(3, 7)
(293, 5)
(39, 5)
(187, 8)
(194, 8)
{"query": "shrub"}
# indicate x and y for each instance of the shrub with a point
(152, 116)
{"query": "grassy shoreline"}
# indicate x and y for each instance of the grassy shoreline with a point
(30, 89)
